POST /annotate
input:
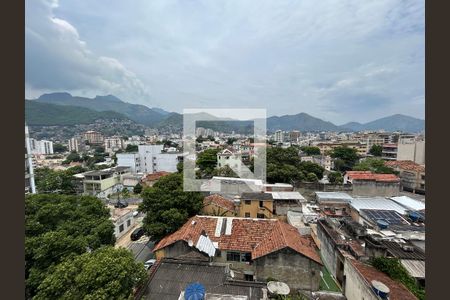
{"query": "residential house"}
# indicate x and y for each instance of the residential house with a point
(256, 205)
(122, 219)
(150, 179)
(366, 183)
(254, 249)
(216, 205)
(412, 175)
(101, 183)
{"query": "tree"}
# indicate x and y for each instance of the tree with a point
(348, 157)
(105, 273)
(59, 227)
(335, 178)
(207, 161)
(309, 150)
(50, 181)
(231, 140)
(131, 148)
(125, 193)
(59, 148)
(376, 150)
(72, 157)
(180, 167)
(375, 165)
(311, 167)
(137, 188)
(311, 177)
(167, 206)
(225, 171)
(99, 150)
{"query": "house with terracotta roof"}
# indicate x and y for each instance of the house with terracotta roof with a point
(254, 249)
(150, 179)
(412, 175)
(217, 205)
(367, 183)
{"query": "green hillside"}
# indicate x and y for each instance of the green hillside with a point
(45, 114)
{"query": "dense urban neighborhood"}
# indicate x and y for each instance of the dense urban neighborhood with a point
(340, 215)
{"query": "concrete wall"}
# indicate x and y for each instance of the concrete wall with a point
(174, 250)
(286, 265)
(355, 286)
(373, 188)
(328, 250)
(254, 209)
(129, 160)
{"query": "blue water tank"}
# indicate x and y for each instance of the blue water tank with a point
(194, 291)
(414, 216)
(382, 224)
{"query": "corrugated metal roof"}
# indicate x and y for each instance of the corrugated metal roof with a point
(409, 203)
(377, 203)
(204, 244)
(287, 196)
(416, 268)
(333, 196)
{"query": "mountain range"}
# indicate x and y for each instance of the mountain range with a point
(65, 109)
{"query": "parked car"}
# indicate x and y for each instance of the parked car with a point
(121, 204)
(137, 234)
(149, 263)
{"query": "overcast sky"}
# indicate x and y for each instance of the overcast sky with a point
(337, 60)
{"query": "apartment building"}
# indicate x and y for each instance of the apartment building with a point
(41, 147)
(30, 186)
(93, 137)
(113, 144)
(101, 183)
(256, 205)
(150, 159)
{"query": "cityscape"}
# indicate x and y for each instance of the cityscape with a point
(338, 208)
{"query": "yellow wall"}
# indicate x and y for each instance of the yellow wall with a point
(254, 209)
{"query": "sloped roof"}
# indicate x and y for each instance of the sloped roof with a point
(367, 175)
(397, 290)
(219, 201)
(257, 236)
(408, 165)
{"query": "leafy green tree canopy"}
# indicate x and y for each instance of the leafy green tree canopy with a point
(131, 148)
(335, 178)
(59, 227)
(348, 156)
(167, 206)
(309, 150)
(375, 165)
(59, 148)
(105, 273)
(376, 150)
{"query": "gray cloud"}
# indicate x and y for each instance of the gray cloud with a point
(340, 60)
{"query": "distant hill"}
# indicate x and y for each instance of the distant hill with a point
(301, 121)
(175, 121)
(396, 122)
(46, 114)
(138, 113)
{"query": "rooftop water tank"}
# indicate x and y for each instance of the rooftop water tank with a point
(382, 224)
(414, 216)
(380, 289)
(194, 291)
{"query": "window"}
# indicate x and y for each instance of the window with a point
(261, 203)
(121, 228)
(128, 223)
(233, 256)
(248, 277)
(248, 202)
(260, 216)
(246, 257)
(247, 215)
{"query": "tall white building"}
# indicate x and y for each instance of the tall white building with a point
(113, 144)
(30, 186)
(75, 144)
(150, 159)
(279, 136)
(41, 147)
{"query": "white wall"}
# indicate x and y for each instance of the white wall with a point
(131, 160)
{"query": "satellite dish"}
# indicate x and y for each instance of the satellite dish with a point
(278, 288)
(190, 243)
